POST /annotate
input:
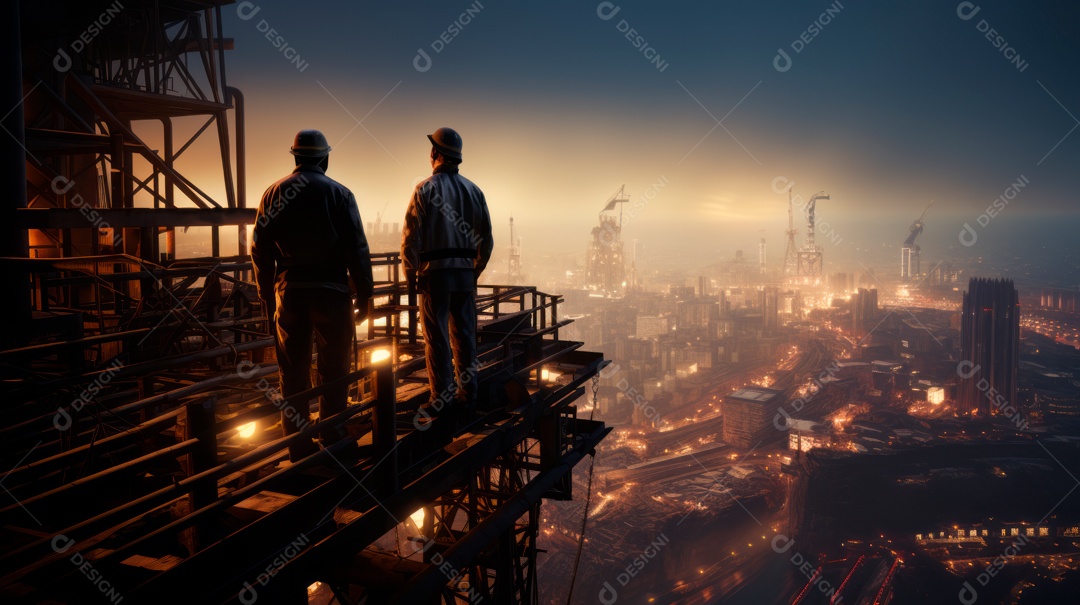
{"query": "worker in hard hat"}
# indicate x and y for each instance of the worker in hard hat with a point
(445, 245)
(307, 247)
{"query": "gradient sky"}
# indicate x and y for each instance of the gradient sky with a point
(887, 108)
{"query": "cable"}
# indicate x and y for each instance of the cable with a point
(588, 497)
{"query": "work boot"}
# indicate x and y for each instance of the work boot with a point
(437, 406)
(465, 405)
(464, 413)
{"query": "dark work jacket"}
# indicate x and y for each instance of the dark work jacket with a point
(447, 230)
(308, 234)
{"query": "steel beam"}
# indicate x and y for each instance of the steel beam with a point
(119, 218)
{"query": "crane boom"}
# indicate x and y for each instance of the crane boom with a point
(921, 216)
(917, 227)
(810, 206)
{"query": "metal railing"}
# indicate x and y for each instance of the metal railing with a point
(134, 394)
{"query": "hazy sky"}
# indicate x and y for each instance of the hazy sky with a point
(888, 106)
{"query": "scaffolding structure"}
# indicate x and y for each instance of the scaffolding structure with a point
(113, 97)
(177, 461)
(141, 418)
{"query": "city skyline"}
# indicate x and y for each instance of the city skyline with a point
(782, 309)
(948, 118)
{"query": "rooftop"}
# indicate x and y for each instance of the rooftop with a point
(756, 394)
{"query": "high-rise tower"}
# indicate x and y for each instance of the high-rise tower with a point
(513, 269)
(762, 264)
(864, 309)
(989, 347)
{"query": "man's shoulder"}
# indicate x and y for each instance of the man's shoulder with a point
(467, 182)
(439, 184)
(428, 181)
(302, 179)
(430, 185)
(451, 177)
(345, 191)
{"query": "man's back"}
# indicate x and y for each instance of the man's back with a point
(446, 243)
(447, 216)
(310, 224)
(308, 242)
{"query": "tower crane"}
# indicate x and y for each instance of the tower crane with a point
(916, 228)
(810, 257)
(791, 255)
(910, 261)
(810, 206)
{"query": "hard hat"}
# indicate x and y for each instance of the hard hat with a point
(447, 141)
(310, 143)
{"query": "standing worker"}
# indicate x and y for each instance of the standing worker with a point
(307, 236)
(445, 245)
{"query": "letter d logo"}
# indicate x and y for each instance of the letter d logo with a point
(62, 420)
(247, 10)
(780, 420)
(968, 237)
(967, 11)
(966, 369)
(248, 594)
(607, 10)
(609, 370)
(782, 61)
(422, 61)
(61, 543)
(781, 543)
(422, 415)
(608, 595)
(61, 62)
(968, 595)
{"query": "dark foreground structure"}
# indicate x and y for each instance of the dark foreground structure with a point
(140, 417)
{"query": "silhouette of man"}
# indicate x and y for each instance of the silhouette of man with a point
(308, 243)
(445, 245)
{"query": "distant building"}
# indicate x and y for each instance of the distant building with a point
(749, 416)
(383, 237)
(1060, 300)
(770, 307)
(943, 274)
(805, 435)
(909, 263)
(989, 347)
(864, 309)
(762, 260)
(1059, 405)
(700, 315)
(605, 268)
(651, 326)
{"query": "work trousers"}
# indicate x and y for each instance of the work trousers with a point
(449, 322)
(327, 315)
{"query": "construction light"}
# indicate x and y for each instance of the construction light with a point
(418, 518)
(379, 355)
(246, 431)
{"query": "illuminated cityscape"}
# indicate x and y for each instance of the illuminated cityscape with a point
(701, 374)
